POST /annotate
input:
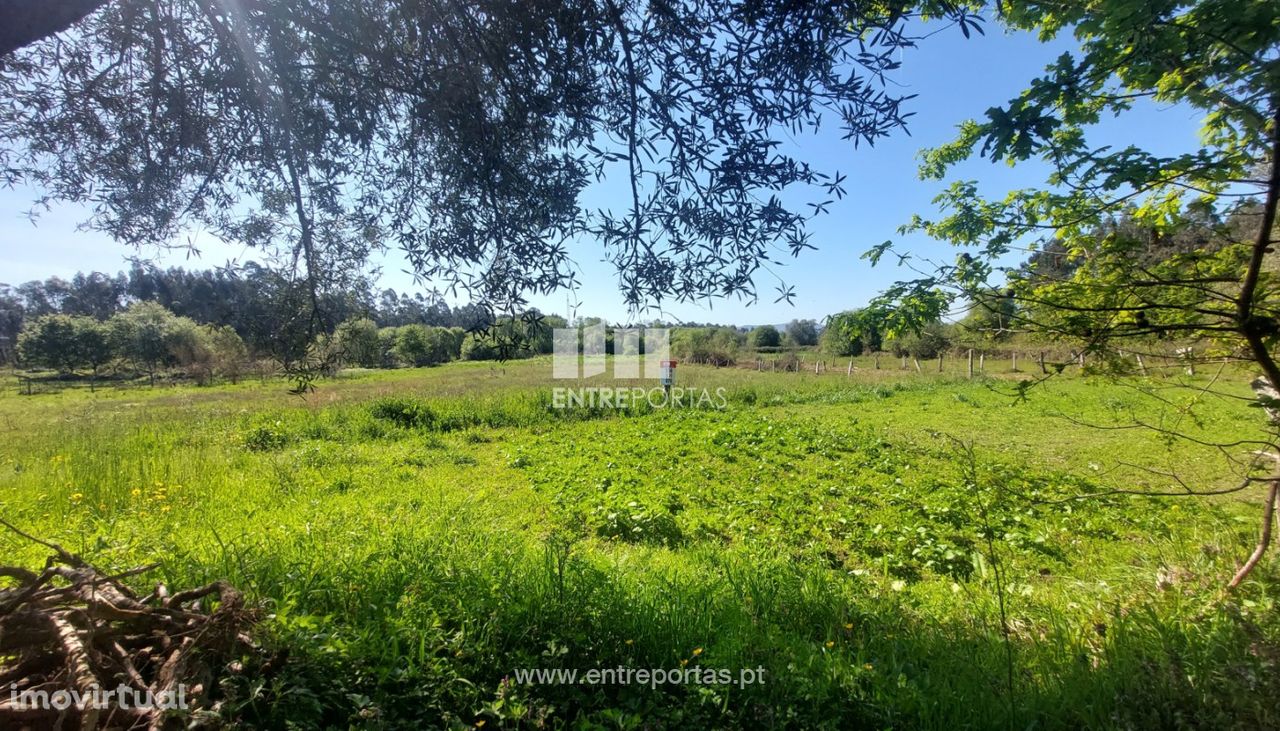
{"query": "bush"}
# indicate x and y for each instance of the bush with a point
(230, 355)
(265, 436)
(420, 345)
(476, 347)
(359, 342)
(928, 343)
(635, 524)
(850, 333)
(190, 348)
(706, 345)
(765, 336)
(403, 412)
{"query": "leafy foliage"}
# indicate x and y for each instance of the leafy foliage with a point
(852, 332)
(765, 336)
(65, 343)
(463, 134)
(708, 345)
(1108, 209)
(1140, 245)
(802, 332)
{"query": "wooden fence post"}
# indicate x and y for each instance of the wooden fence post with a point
(1015, 361)
(982, 362)
(917, 362)
(850, 371)
(1142, 367)
(939, 362)
(1043, 370)
(971, 362)
(877, 360)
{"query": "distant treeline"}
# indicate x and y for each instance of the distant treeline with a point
(145, 339)
(273, 315)
(222, 323)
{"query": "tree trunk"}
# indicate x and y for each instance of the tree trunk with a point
(27, 21)
(1264, 539)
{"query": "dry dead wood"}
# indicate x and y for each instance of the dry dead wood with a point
(72, 627)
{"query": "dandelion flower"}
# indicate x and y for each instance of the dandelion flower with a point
(848, 625)
(697, 651)
(830, 644)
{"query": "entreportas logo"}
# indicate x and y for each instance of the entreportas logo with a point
(636, 354)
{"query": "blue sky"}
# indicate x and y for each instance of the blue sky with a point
(955, 79)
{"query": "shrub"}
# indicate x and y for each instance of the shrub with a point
(635, 524)
(265, 437)
(928, 343)
(765, 336)
(419, 345)
(404, 412)
(707, 345)
(359, 342)
(476, 347)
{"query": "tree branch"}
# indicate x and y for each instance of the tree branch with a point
(1261, 245)
(28, 21)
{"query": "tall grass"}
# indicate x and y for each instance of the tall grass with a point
(413, 546)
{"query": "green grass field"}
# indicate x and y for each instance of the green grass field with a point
(417, 537)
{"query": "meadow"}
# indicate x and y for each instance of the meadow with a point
(893, 549)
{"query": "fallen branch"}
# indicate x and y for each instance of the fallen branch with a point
(76, 629)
